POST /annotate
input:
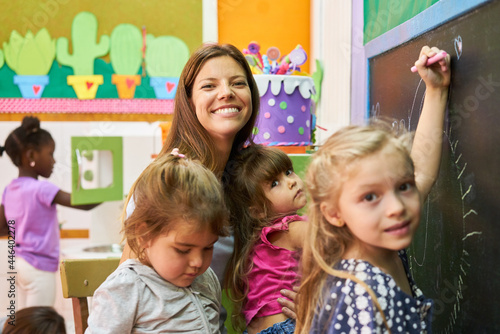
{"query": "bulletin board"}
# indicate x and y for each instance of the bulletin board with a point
(181, 19)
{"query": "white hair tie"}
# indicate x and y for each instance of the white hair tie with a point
(175, 152)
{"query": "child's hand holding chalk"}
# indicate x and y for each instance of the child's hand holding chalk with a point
(434, 59)
(434, 69)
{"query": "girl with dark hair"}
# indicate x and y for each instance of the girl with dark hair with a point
(28, 212)
(35, 320)
(263, 195)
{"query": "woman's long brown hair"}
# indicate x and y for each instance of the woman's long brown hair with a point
(186, 132)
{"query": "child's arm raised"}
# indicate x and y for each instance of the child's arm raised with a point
(63, 198)
(427, 145)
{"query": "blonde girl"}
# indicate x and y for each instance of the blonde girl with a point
(366, 189)
(179, 215)
(263, 195)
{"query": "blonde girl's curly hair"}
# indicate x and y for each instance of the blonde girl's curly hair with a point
(325, 244)
(174, 190)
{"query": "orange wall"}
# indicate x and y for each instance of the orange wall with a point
(279, 23)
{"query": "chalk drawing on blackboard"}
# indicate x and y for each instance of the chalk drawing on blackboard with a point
(452, 293)
(464, 266)
(458, 46)
(375, 110)
(410, 112)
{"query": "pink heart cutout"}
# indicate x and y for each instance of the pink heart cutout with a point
(170, 86)
(36, 89)
(89, 84)
(130, 82)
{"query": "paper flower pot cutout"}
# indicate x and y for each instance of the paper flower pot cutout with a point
(126, 58)
(165, 58)
(164, 87)
(85, 86)
(31, 86)
(30, 57)
(125, 84)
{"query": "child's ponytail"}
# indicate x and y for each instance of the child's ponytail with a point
(27, 136)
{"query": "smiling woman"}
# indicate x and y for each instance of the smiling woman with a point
(222, 99)
(187, 132)
(214, 78)
(216, 105)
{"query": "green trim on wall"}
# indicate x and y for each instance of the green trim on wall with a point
(381, 16)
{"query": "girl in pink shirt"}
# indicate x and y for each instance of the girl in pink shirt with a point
(264, 195)
(28, 214)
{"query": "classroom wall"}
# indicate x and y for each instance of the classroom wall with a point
(141, 138)
(221, 19)
(179, 18)
(370, 19)
(280, 23)
(322, 27)
(140, 141)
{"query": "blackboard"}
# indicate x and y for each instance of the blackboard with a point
(455, 257)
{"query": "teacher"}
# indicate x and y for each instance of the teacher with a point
(215, 109)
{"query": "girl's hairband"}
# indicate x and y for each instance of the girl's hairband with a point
(175, 152)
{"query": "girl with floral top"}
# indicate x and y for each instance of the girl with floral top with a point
(366, 190)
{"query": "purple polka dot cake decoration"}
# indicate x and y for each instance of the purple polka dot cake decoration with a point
(285, 116)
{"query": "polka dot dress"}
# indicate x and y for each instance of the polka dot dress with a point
(348, 308)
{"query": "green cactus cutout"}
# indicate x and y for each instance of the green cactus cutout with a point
(165, 56)
(30, 55)
(126, 49)
(12, 49)
(85, 48)
(1, 59)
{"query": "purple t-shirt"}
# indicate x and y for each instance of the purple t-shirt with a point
(28, 202)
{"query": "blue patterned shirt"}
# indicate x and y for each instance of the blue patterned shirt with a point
(348, 308)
